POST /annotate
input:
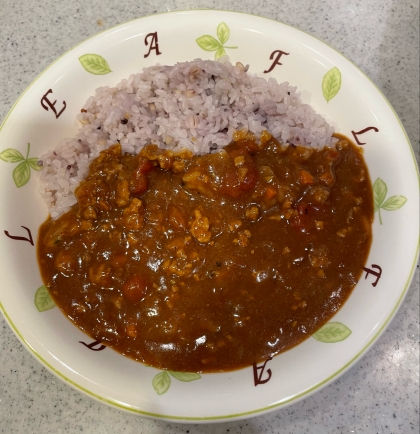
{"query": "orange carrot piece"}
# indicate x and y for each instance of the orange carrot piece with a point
(305, 177)
(270, 193)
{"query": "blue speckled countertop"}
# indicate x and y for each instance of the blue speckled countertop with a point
(380, 394)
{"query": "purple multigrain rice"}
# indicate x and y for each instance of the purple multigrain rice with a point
(195, 105)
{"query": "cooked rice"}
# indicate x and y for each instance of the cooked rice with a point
(195, 105)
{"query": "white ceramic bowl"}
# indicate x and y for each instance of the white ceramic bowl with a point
(337, 89)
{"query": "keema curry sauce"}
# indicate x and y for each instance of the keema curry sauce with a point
(210, 263)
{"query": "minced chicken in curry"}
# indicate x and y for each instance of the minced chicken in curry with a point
(210, 263)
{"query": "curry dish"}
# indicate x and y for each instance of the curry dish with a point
(210, 263)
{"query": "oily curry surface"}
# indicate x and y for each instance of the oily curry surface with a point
(210, 263)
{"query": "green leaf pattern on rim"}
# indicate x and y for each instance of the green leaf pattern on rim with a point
(220, 53)
(11, 156)
(380, 191)
(332, 332)
(162, 381)
(331, 83)
(185, 376)
(33, 163)
(95, 64)
(209, 43)
(43, 299)
(223, 33)
(22, 172)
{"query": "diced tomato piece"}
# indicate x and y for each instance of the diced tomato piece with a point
(233, 183)
(145, 166)
(251, 178)
(135, 287)
(138, 183)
